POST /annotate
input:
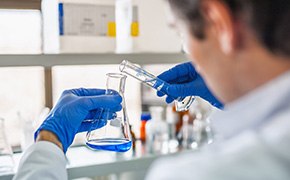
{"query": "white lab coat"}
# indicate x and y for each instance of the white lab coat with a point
(253, 143)
(43, 160)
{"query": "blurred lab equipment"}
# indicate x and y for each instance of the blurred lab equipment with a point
(115, 134)
(202, 130)
(144, 118)
(29, 125)
(6, 159)
(187, 132)
(196, 129)
(124, 14)
(179, 123)
(157, 132)
(172, 119)
(27, 129)
(181, 103)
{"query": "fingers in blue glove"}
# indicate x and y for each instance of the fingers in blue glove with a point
(89, 126)
(111, 92)
(66, 118)
(160, 94)
(100, 114)
(85, 92)
(169, 100)
(179, 74)
(177, 90)
(109, 102)
(181, 90)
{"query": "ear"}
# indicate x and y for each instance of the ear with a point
(219, 18)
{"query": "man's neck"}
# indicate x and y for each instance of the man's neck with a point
(259, 69)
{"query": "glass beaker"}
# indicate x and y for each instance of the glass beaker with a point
(6, 159)
(115, 135)
(181, 103)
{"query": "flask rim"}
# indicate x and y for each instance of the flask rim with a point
(116, 75)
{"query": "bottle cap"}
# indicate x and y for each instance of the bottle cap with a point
(145, 116)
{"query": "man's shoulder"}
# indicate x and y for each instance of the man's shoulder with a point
(277, 130)
(184, 165)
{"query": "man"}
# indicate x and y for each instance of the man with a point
(241, 49)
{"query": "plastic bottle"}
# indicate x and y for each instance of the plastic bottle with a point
(171, 119)
(187, 133)
(157, 132)
(144, 118)
(202, 131)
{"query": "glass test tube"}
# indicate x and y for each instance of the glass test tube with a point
(181, 103)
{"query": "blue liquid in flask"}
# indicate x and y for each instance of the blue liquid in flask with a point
(110, 144)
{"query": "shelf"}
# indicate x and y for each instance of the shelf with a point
(88, 59)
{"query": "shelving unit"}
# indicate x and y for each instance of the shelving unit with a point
(88, 59)
(48, 61)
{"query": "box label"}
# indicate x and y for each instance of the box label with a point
(87, 20)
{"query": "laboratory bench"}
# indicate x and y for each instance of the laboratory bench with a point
(84, 162)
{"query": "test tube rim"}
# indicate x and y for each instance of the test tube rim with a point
(123, 65)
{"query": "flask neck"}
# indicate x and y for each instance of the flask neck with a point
(116, 82)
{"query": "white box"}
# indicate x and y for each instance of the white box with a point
(72, 26)
(155, 34)
(20, 32)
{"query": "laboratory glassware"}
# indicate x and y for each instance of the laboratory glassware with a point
(202, 130)
(171, 119)
(188, 141)
(115, 134)
(6, 159)
(157, 134)
(181, 103)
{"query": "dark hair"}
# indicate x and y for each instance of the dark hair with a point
(269, 20)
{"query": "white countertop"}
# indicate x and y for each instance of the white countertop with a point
(83, 162)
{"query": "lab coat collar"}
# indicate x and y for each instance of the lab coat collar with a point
(253, 110)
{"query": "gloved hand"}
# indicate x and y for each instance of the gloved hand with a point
(185, 81)
(75, 106)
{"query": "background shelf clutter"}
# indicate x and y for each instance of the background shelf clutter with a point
(88, 26)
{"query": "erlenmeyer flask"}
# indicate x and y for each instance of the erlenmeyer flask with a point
(115, 135)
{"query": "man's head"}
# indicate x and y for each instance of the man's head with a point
(236, 45)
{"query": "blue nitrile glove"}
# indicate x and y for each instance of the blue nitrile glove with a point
(185, 81)
(75, 106)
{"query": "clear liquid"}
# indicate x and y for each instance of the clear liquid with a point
(110, 144)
